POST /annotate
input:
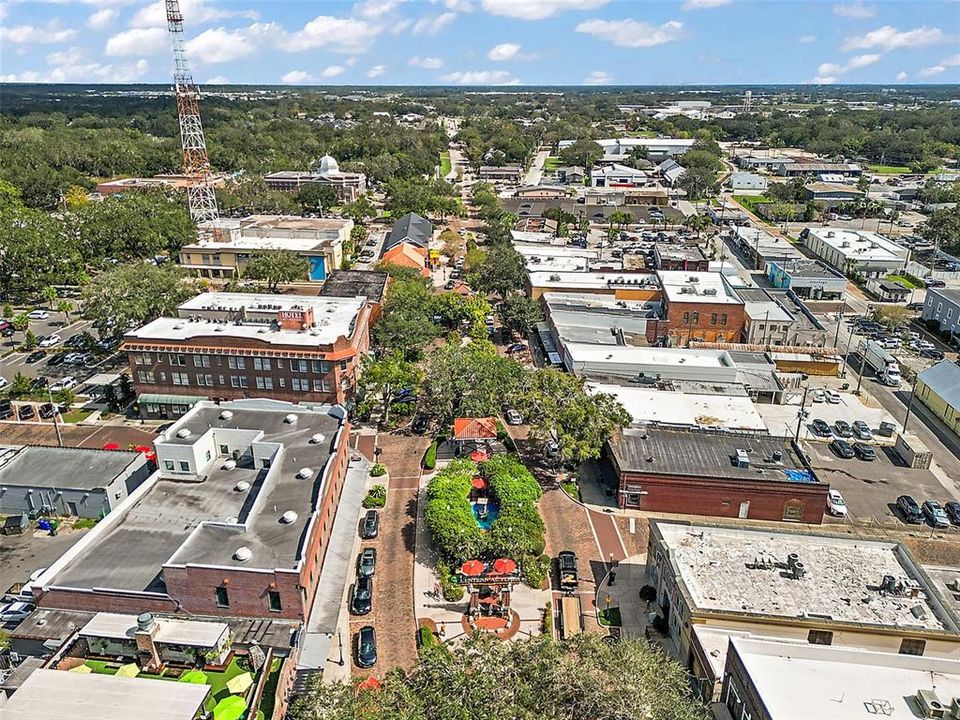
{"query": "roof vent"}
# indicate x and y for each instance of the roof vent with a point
(226, 415)
(741, 459)
(242, 486)
(305, 473)
(290, 418)
(288, 517)
(317, 438)
(145, 622)
(178, 326)
(183, 433)
(243, 553)
(230, 464)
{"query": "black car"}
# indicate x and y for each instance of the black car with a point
(366, 647)
(362, 601)
(47, 411)
(35, 356)
(931, 354)
(865, 452)
(843, 428)
(420, 423)
(952, 509)
(821, 428)
(56, 359)
(371, 525)
(6, 409)
(367, 562)
(39, 383)
(909, 509)
(26, 412)
(842, 448)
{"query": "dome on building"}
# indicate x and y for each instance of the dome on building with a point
(328, 166)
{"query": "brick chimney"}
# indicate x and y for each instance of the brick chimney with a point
(149, 657)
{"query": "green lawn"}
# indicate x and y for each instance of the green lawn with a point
(445, 166)
(570, 488)
(75, 416)
(906, 281)
(750, 202)
(610, 617)
(888, 169)
(552, 163)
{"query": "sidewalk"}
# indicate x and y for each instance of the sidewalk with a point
(631, 575)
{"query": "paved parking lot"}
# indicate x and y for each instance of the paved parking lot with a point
(782, 419)
(22, 555)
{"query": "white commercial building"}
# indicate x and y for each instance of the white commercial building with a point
(649, 364)
(634, 286)
(740, 181)
(615, 149)
(856, 251)
(617, 175)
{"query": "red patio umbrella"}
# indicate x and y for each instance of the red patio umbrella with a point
(479, 483)
(111, 446)
(146, 450)
(371, 683)
(504, 566)
(479, 456)
(472, 568)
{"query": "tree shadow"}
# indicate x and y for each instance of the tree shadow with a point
(409, 530)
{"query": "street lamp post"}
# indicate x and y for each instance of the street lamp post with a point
(803, 406)
(340, 642)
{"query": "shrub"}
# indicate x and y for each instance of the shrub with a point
(518, 529)
(448, 514)
(430, 458)
(426, 638)
(535, 569)
(548, 618)
(378, 470)
(376, 498)
(84, 524)
(450, 590)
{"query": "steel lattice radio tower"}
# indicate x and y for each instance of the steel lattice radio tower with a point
(196, 163)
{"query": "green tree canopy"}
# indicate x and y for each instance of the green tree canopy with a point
(943, 229)
(277, 266)
(698, 182)
(583, 153)
(527, 679)
(317, 196)
(383, 377)
(519, 313)
(502, 271)
(406, 324)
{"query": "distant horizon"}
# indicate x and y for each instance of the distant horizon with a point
(506, 89)
(487, 43)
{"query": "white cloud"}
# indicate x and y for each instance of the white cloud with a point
(101, 18)
(351, 61)
(218, 45)
(218, 80)
(503, 52)
(52, 32)
(400, 26)
(3, 12)
(433, 25)
(342, 35)
(376, 71)
(806, 39)
(854, 10)
(427, 63)
(888, 38)
(901, 76)
(703, 4)
(464, 6)
(332, 71)
(70, 56)
(632, 33)
(480, 77)
(373, 9)
(598, 77)
(295, 77)
(137, 41)
(832, 70)
(195, 12)
(72, 68)
(931, 71)
(538, 9)
(951, 61)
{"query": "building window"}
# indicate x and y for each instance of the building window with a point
(184, 466)
(206, 380)
(321, 366)
(686, 317)
(949, 313)
(299, 385)
(168, 464)
(178, 359)
(201, 361)
(820, 637)
(261, 364)
(283, 382)
(273, 601)
(264, 383)
(145, 376)
(723, 319)
(236, 363)
(713, 318)
(180, 379)
(909, 646)
(696, 319)
(298, 366)
(223, 600)
(321, 386)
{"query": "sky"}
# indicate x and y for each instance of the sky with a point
(486, 42)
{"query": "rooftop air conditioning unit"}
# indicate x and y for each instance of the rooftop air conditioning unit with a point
(930, 704)
(741, 458)
(693, 279)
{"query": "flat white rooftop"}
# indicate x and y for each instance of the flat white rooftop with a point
(192, 633)
(592, 280)
(666, 407)
(859, 244)
(743, 571)
(833, 683)
(680, 357)
(768, 311)
(697, 287)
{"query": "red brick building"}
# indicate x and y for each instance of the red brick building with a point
(235, 523)
(715, 473)
(237, 345)
(683, 256)
(699, 306)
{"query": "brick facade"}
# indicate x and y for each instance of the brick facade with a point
(702, 321)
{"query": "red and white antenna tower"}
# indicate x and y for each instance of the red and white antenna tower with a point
(196, 163)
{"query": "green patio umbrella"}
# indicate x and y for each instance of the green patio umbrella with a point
(129, 670)
(197, 677)
(239, 684)
(230, 708)
(82, 669)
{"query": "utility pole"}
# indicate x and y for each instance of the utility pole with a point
(913, 391)
(803, 407)
(56, 412)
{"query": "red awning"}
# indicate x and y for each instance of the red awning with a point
(472, 568)
(504, 566)
(479, 456)
(111, 446)
(479, 483)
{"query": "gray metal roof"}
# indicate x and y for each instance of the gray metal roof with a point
(370, 284)
(411, 228)
(944, 380)
(64, 468)
(703, 454)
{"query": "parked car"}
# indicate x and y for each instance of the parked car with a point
(450, 284)
(953, 511)
(833, 397)
(931, 353)
(910, 510)
(567, 570)
(40, 382)
(35, 356)
(57, 359)
(49, 341)
(371, 525)
(38, 314)
(47, 411)
(367, 562)
(835, 503)
(862, 431)
(26, 412)
(821, 428)
(366, 647)
(935, 514)
(819, 396)
(420, 424)
(362, 601)
(864, 451)
(64, 383)
(842, 448)
(843, 428)
(3, 382)
(513, 417)
(16, 612)
(6, 409)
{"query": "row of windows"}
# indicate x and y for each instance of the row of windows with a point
(908, 646)
(235, 362)
(148, 377)
(273, 599)
(694, 318)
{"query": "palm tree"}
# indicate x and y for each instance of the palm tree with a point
(21, 323)
(66, 307)
(49, 293)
